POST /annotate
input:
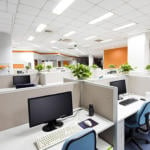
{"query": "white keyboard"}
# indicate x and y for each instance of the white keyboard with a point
(57, 136)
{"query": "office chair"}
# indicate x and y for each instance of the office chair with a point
(85, 140)
(139, 122)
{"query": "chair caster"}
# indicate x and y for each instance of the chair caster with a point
(147, 142)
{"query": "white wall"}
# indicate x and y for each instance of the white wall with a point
(138, 51)
(5, 51)
(23, 58)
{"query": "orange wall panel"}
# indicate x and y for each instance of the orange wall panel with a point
(18, 66)
(65, 63)
(116, 56)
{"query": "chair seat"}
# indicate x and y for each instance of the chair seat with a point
(131, 122)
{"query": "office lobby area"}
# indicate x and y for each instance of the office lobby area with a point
(75, 74)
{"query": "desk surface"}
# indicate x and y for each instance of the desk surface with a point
(23, 137)
(128, 110)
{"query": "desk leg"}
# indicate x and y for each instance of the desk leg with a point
(120, 135)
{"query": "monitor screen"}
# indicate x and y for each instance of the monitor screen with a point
(22, 79)
(47, 109)
(121, 85)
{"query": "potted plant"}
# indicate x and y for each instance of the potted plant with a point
(39, 67)
(94, 66)
(27, 68)
(48, 67)
(112, 66)
(71, 67)
(81, 71)
(147, 67)
(125, 68)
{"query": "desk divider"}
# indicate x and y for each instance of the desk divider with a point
(104, 99)
(138, 84)
(14, 104)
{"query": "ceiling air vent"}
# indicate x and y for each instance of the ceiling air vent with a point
(48, 31)
(65, 40)
(98, 40)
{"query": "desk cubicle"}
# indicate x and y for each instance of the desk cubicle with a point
(14, 110)
(137, 86)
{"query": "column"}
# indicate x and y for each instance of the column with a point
(138, 51)
(5, 53)
(90, 60)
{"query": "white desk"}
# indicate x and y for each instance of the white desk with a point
(23, 137)
(123, 113)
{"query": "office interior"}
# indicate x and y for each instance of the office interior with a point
(62, 33)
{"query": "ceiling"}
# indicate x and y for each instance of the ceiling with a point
(21, 18)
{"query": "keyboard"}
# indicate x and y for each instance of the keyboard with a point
(57, 136)
(128, 101)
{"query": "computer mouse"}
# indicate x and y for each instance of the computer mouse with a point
(88, 123)
(142, 99)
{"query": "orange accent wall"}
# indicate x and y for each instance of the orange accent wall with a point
(18, 66)
(3, 66)
(65, 63)
(116, 56)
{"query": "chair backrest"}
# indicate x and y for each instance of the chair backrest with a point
(142, 112)
(84, 140)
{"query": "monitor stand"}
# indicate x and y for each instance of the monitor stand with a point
(58, 123)
(49, 127)
(52, 125)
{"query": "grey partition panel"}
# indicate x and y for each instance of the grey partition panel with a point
(138, 84)
(6, 81)
(14, 108)
(102, 97)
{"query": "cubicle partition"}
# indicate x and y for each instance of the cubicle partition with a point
(104, 100)
(138, 84)
(102, 97)
(6, 81)
(14, 104)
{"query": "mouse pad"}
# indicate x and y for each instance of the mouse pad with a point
(84, 126)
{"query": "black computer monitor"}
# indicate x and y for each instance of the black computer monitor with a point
(22, 79)
(121, 85)
(47, 109)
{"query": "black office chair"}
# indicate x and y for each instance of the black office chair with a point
(139, 122)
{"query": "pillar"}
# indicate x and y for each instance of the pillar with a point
(138, 51)
(5, 53)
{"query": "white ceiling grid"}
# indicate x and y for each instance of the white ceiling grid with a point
(21, 18)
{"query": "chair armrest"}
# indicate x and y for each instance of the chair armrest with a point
(147, 120)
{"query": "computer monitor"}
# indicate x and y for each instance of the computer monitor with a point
(22, 79)
(47, 109)
(121, 85)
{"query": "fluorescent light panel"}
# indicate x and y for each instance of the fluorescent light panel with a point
(30, 38)
(105, 41)
(53, 41)
(62, 6)
(41, 27)
(90, 37)
(69, 33)
(124, 26)
(104, 17)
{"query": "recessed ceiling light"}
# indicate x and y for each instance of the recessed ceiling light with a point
(41, 27)
(30, 38)
(62, 6)
(105, 41)
(69, 33)
(124, 26)
(106, 16)
(53, 41)
(54, 47)
(72, 43)
(90, 37)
